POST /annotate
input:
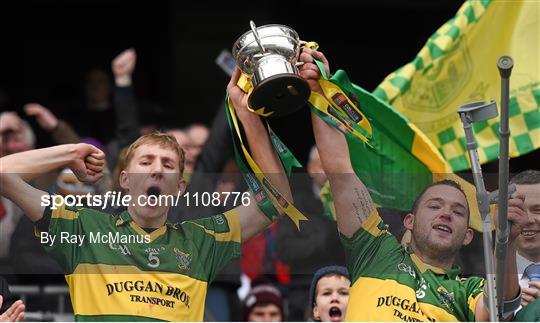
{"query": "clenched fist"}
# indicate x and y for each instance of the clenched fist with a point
(88, 163)
(123, 66)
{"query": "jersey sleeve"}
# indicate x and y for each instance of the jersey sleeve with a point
(218, 240)
(371, 250)
(474, 289)
(56, 232)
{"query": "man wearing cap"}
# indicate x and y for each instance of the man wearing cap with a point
(264, 303)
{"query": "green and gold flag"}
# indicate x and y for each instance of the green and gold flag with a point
(397, 162)
(458, 65)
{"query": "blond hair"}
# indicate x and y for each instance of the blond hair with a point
(161, 139)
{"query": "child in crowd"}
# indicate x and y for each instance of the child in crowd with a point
(264, 303)
(329, 294)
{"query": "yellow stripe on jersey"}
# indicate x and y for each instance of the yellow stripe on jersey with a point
(371, 224)
(62, 213)
(473, 301)
(126, 290)
(234, 233)
(234, 225)
(374, 299)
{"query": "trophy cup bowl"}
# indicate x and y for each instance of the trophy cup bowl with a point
(268, 55)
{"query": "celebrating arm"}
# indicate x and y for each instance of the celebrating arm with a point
(17, 170)
(252, 220)
(125, 104)
(351, 198)
(61, 132)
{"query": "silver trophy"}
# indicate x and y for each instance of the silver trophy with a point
(269, 54)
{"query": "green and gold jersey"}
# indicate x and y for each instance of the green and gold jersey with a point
(118, 272)
(390, 283)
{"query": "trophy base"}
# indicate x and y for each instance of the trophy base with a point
(281, 94)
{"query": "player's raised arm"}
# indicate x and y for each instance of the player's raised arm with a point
(351, 198)
(252, 220)
(17, 170)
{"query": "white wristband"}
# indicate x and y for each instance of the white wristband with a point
(122, 81)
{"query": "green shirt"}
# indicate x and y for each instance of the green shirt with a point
(117, 271)
(390, 283)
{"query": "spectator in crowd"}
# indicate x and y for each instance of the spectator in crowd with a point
(15, 136)
(13, 313)
(61, 132)
(315, 245)
(198, 135)
(263, 303)
(329, 294)
(95, 107)
(418, 282)
(192, 140)
(185, 142)
(528, 246)
(126, 128)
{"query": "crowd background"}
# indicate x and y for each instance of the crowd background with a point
(57, 64)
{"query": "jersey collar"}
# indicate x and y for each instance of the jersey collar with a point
(125, 218)
(452, 273)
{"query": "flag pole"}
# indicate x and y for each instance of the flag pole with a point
(470, 113)
(504, 64)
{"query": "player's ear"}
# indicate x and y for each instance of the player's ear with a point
(408, 221)
(123, 179)
(182, 186)
(469, 235)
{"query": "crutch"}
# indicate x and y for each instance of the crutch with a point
(469, 114)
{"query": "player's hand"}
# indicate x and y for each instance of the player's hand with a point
(517, 216)
(44, 117)
(529, 295)
(88, 163)
(309, 71)
(123, 66)
(238, 97)
(15, 313)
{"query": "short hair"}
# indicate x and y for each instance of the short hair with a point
(527, 177)
(26, 129)
(161, 139)
(447, 182)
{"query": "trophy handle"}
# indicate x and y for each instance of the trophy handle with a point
(256, 34)
(311, 45)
